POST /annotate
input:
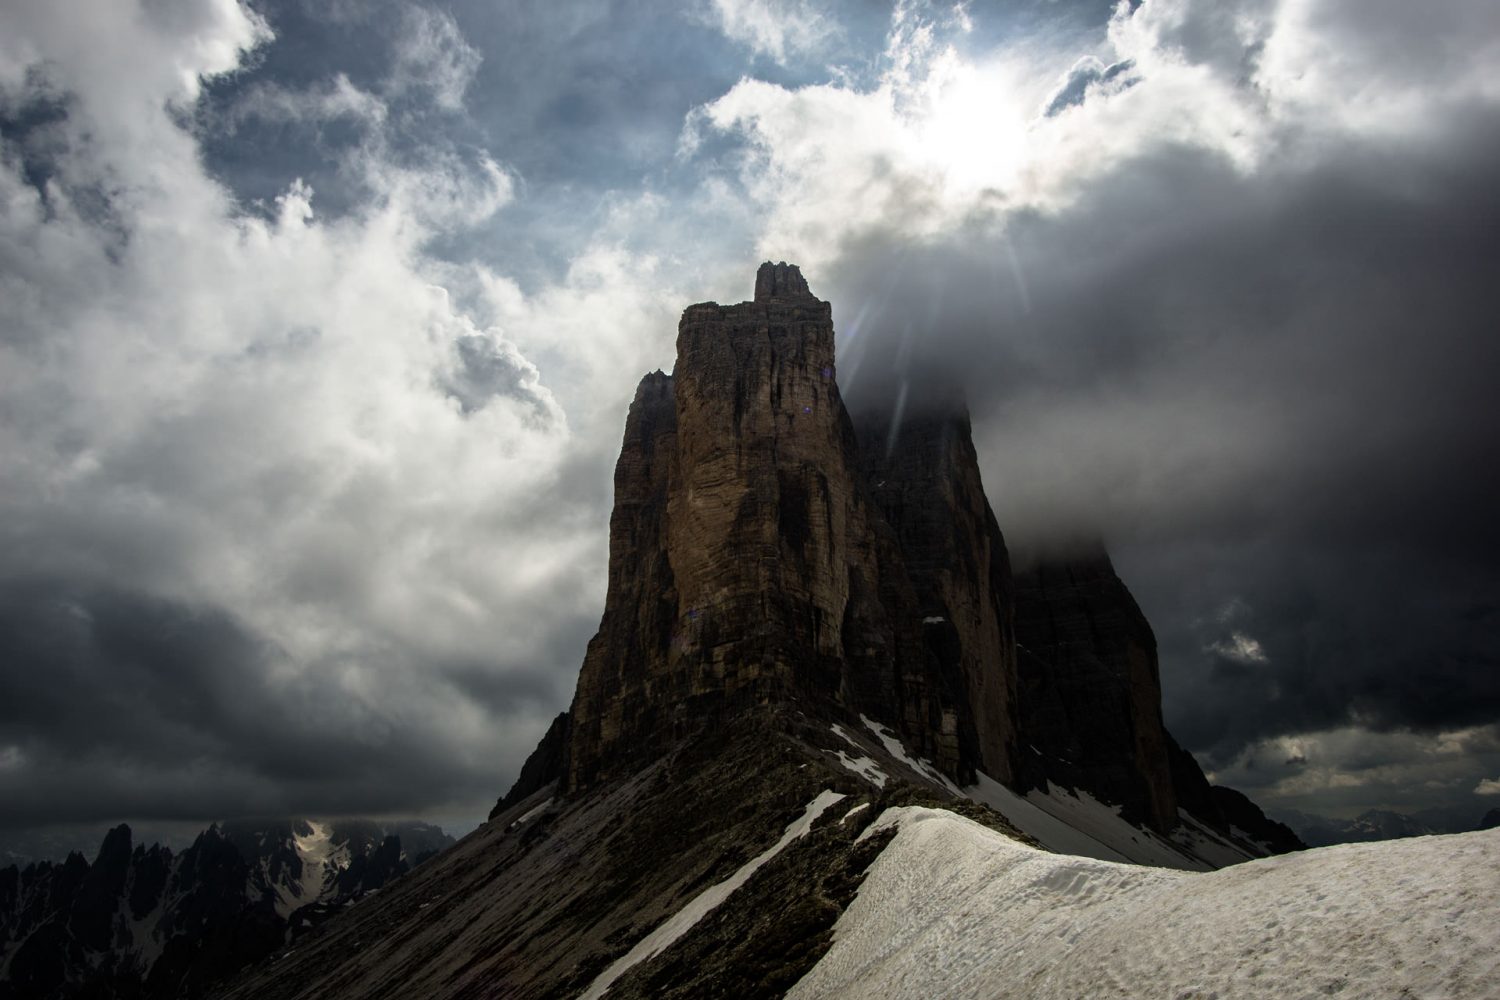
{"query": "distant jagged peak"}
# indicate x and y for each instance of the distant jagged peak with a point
(780, 280)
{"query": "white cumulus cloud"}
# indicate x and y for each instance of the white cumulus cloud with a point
(778, 29)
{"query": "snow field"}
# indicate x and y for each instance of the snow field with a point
(1066, 821)
(954, 909)
(1072, 822)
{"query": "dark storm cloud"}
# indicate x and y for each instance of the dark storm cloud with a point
(1369, 634)
(118, 704)
(266, 482)
(1274, 394)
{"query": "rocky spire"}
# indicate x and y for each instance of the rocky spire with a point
(780, 281)
(1090, 689)
(750, 563)
(762, 552)
(924, 475)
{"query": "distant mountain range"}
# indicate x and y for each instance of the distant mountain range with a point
(149, 922)
(1377, 824)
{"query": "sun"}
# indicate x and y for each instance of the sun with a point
(971, 127)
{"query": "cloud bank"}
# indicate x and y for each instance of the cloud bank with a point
(292, 519)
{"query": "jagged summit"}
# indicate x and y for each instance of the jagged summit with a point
(750, 562)
(780, 281)
(145, 922)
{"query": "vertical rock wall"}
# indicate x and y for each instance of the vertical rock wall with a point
(1090, 690)
(624, 683)
(924, 476)
(749, 562)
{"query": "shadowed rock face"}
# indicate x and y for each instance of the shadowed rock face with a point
(543, 767)
(924, 476)
(1090, 691)
(750, 563)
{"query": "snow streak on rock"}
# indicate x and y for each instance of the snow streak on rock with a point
(321, 860)
(862, 765)
(683, 920)
(896, 749)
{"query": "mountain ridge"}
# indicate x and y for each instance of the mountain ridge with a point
(149, 922)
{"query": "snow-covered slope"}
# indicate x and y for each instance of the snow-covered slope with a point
(953, 909)
(1071, 822)
(1060, 819)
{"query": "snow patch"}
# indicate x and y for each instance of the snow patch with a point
(865, 767)
(321, 859)
(954, 909)
(1049, 831)
(894, 747)
(682, 921)
(933, 619)
(1207, 843)
(1265, 846)
(851, 812)
(529, 814)
(1072, 822)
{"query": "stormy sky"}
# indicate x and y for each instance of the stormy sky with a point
(320, 320)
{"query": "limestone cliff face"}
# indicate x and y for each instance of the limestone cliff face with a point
(750, 564)
(924, 476)
(625, 681)
(1090, 689)
(542, 767)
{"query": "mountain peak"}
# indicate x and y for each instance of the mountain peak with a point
(750, 563)
(802, 608)
(780, 281)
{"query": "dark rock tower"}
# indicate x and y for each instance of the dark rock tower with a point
(1090, 687)
(751, 563)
